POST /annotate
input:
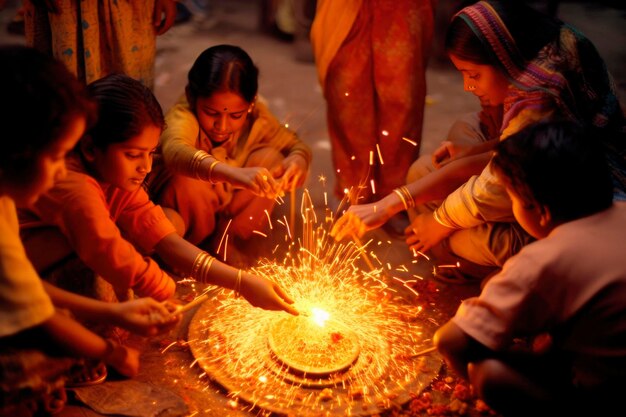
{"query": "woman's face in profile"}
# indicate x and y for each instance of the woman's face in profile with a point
(484, 81)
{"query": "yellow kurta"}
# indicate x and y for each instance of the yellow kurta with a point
(172, 182)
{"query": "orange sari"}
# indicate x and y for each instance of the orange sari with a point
(371, 57)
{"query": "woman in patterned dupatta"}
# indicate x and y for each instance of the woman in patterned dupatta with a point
(371, 60)
(528, 74)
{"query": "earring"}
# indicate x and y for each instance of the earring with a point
(471, 87)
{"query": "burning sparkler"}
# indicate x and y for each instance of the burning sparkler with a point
(357, 348)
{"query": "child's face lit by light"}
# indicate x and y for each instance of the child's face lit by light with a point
(50, 166)
(221, 115)
(126, 164)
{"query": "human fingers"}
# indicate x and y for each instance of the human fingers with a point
(344, 226)
(412, 239)
(282, 294)
(441, 154)
(285, 301)
(266, 183)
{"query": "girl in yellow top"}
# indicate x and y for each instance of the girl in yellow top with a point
(224, 155)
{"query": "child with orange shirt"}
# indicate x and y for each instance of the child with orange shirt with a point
(101, 213)
(44, 112)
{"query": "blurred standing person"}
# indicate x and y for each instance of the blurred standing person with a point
(94, 38)
(371, 58)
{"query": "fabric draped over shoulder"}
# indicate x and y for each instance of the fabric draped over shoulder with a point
(332, 23)
(567, 79)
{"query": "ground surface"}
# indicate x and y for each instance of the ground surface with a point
(289, 83)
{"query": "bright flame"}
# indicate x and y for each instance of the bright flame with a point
(319, 316)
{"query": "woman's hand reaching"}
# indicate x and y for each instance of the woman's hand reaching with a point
(257, 180)
(144, 316)
(265, 294)
(361, 218)
(448, 152)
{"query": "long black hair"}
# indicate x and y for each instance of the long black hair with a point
(126, 107)
(223, 68)
(557, 164)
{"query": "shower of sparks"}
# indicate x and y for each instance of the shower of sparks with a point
(367, 323)
(380, 155)
(412, 142)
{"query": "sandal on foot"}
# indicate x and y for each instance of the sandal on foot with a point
(86, 374)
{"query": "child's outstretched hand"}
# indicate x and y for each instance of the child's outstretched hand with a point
(360, 218)
(144, 316)
(263, 293)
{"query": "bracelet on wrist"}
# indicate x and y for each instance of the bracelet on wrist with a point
(211, 168)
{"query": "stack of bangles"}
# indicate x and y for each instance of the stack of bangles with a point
(201, 266)
(405, 197)
(196, 161)
(211, 168)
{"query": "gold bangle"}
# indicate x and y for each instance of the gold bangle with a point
(196, 161)
(409, 198)
(402, 198)
(206, 268)
(197, 263)
(211, 171)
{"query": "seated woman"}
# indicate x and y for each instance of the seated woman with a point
(520, 76)
(101, 213)
(225, 157)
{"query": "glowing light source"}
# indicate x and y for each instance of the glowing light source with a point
(352, 351)
(319, 316)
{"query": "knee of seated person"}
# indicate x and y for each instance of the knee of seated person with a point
(265, 157)
(420, 168)
(466, 129)
(176, 219)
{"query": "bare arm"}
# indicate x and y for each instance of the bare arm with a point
(143, 316)
(434, 186)
(258, 291)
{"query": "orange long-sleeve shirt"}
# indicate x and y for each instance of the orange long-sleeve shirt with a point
(106, 227)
